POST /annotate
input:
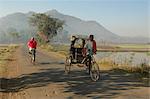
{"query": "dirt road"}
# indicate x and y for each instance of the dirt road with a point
(47, 80)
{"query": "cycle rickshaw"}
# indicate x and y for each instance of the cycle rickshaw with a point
(79, 58)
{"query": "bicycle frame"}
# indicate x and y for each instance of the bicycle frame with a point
(33, 51)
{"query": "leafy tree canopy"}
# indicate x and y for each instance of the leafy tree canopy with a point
(47, 26)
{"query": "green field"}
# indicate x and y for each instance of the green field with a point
(107, 48)
(62, 49)
(124, 48)
(137, 46)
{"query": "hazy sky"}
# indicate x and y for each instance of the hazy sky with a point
(123, 17)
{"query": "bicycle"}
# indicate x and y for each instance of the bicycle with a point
(32, 55)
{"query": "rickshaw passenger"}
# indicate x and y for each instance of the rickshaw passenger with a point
(72, 49)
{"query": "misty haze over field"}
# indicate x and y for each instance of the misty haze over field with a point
(19, 22)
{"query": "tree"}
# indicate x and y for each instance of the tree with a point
(47, 26)
(13, 34)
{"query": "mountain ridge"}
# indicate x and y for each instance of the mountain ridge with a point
(73, 25)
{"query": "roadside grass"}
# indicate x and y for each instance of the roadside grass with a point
(143, 69)
(5, 55)
(62, 49)
(148, 53)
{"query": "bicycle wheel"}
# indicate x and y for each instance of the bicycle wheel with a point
(94, 72)
(67, 64)
(33, 57)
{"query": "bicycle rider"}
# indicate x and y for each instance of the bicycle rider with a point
(90, 48)
(31, 44)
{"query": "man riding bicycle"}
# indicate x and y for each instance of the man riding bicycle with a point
(32, 48)
(90, 49)
(32, 44)
(90, 46)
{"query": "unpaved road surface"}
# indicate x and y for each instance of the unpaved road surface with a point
(47, 80)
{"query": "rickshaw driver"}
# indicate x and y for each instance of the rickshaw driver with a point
(90, 48)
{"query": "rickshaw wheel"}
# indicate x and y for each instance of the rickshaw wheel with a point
(68, 64)
(95, 72)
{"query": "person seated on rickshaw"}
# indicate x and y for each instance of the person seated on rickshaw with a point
(72, 49)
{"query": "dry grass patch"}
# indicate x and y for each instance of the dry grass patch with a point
(5, 56)
(143, 69)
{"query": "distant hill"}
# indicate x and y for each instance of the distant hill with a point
(73, 25)
(77, 26)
